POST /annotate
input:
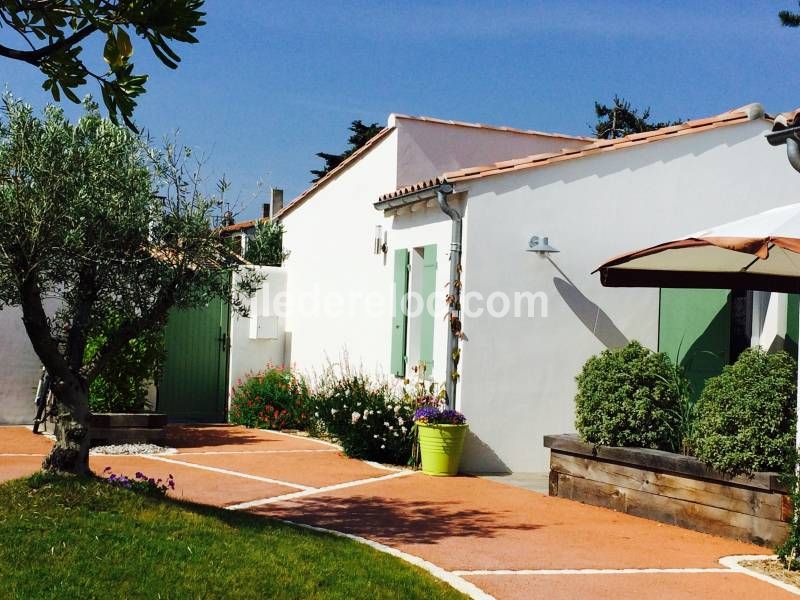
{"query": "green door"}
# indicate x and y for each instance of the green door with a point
(694, 329)
(194, 380)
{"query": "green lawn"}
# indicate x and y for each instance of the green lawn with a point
(80, 538)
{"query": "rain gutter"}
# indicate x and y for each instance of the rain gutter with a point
(454, 298)
(791, 137)
(442, 192)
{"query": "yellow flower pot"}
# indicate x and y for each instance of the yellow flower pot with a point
(441, 447)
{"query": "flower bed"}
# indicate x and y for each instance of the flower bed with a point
(671, 488)
(635, 410)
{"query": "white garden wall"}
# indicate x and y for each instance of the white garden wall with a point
(258, 339)
(518, 373)
(19, 370)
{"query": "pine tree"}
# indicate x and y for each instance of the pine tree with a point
(789, 19)
(361, 134)
(621, 119)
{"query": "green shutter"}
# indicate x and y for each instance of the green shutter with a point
(695, 329)
(398, 359)
(426, 319)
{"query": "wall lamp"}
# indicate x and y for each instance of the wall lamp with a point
(540, 245)
(379, 244)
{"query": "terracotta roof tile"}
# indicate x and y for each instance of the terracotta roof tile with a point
(786, 120)
(740, 115)
(360, 152)
(490, 127)
(241, 226)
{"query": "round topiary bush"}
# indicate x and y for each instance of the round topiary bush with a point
(630, 397)
(746, 415)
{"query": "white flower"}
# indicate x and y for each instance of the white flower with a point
(400, 420)
(386, 424)
(355, 417)
(383, 446)
(334, 411)
(403, 429)
(390, 407)
(316, 414)
(397, 409)
(396, 434)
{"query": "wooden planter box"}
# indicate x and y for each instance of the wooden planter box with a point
(671, 488)
(126, 428)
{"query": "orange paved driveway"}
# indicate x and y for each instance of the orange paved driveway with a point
(482, 531)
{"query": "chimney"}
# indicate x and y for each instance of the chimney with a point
(277, 201)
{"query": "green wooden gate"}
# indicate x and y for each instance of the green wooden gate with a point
(193, 384)
(695, 330)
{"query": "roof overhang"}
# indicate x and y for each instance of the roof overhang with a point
(400, 201)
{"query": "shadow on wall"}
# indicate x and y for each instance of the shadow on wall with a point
(590, 314)
(479, 457)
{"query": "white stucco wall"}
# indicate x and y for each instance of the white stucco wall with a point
(248, 354)
(426, 149)
(330, 240)
(19, 370)
(518, 373)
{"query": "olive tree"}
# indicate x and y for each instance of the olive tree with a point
(96, 222)
(49, 34)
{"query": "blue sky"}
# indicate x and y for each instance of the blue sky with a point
(272, 83)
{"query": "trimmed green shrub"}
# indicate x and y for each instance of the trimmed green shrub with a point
(273, 399)
(122, 384)
(746, 415)
(364, 416)
(631, 397)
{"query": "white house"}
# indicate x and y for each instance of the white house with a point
(529, 320)
(339, 291)
(372, 236)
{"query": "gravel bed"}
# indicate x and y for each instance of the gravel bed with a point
(119, 449)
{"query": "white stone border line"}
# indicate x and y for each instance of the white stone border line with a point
(20, 454)
(449, 577)
(297, 486)
(732, 562)
(302, 437)
(226, 452)
(644, 571)
(314, 491)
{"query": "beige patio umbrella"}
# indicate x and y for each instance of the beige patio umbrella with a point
(760, 252)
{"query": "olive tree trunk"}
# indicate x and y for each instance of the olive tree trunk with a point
(70, 454)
